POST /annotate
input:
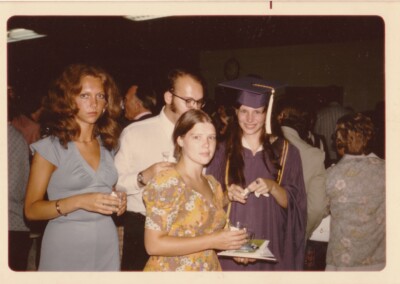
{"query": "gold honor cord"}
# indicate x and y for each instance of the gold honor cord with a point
(279, 178)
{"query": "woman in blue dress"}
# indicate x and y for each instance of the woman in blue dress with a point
(74, 165)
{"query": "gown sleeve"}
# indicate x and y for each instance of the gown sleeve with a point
(293, 182)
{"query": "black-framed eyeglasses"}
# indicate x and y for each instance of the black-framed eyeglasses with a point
(190, 102)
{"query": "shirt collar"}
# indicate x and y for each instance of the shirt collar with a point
(165, 122)
(141, 115)
(290, 131)
(349, 156)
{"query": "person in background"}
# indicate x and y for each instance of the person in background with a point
(325, 125)
(21, 121)
(221, 119)
(313, 138)
(146, 149)
(26, 121)
(263, 177)
(185, 217)
(140, 102)
(293, 118)
(356, 192)
(378, 118)
(19, 241)
(74, 165)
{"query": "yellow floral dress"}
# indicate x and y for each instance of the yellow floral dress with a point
(173, 207)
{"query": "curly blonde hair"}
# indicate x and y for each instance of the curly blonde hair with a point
(59, 107)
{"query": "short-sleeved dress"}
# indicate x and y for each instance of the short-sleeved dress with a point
(175, 208)
(82, 240)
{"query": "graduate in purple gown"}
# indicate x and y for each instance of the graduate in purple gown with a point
(255, 161)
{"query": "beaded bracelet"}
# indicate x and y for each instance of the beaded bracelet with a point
(58, 208)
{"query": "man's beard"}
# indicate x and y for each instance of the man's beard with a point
(173, 106)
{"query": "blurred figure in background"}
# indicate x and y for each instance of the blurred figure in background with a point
(140, 102)
(221, 118)
(21, 120)
(315, 139)
(325, 125)
(293, 118)
(293, 121)
(19, 241)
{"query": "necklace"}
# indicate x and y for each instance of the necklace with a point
(85, 142)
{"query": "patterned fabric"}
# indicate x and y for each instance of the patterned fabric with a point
(356, 189)
(181, 211)
(18, 173)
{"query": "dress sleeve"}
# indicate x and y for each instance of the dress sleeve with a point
(49, 148)
(161, 197)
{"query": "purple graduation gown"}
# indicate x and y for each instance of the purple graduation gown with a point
(284, 228)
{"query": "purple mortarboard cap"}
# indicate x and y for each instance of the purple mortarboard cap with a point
(255, 93)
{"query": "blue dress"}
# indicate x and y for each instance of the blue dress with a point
(82, 240)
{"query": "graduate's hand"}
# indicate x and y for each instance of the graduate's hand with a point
(237, 193)
(244, 260)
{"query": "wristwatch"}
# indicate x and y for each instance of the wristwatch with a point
(140, 180)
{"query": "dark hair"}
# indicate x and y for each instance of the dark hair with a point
(147, 95)
(59, 107)
(13, 104)
(354, 134)
(294, 115)
(184, 124)
(234, 151)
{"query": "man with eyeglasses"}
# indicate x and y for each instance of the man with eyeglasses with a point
(146, 148)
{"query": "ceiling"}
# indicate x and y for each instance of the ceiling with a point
(127, 47)
(201, 32)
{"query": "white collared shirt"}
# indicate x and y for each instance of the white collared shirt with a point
(141, 115)
(141, 145)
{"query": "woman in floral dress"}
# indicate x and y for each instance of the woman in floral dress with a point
(185, 217)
